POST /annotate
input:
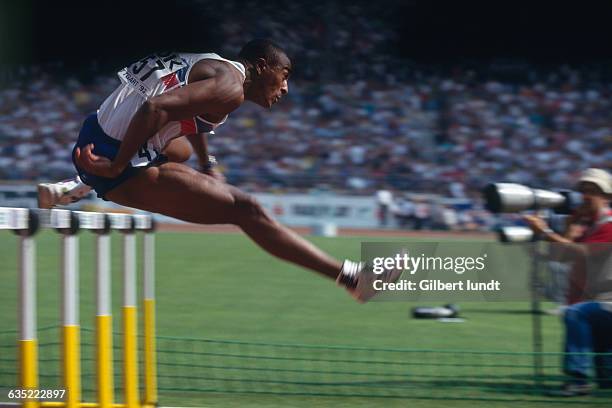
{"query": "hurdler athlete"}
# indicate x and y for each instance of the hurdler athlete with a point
(163, 97)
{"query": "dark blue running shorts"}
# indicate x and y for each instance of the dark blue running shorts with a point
(106, 146)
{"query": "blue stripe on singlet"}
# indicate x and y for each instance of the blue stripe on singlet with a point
(202, 126)
(182, 74)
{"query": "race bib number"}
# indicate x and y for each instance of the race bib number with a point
(144, 75)
(144, 156)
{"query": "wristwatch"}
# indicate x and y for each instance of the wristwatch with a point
(212, 162)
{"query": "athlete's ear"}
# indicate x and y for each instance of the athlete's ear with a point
(260, 65)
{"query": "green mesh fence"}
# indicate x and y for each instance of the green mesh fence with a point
(200, 366)
(8, 360)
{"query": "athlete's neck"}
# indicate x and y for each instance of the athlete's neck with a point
(248, 67)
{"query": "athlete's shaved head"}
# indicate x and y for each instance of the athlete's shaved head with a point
(261, 48)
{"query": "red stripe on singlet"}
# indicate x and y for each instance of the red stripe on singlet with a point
(188, 127)
(170, 80)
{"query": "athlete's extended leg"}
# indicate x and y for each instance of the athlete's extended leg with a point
(178, 191)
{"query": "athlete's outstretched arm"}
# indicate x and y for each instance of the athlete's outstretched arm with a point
(217, 94)
(179, 150)
(199, 143)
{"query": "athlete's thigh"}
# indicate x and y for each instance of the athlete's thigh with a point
(178, 150)
(178, 191)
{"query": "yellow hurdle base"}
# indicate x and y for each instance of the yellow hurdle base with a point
(29, 369)
(71, 355)
(150, 368)
(130, 357)
(104, 357)
(49, 404)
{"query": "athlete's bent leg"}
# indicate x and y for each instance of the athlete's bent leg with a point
(178, 150)
(178, 191)
(72, 190)
(64, 192)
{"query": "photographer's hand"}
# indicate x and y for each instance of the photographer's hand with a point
(537, 224)
(567, 251)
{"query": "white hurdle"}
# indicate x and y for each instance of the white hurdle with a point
(26, 223)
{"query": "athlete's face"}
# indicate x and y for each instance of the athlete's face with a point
(271, 83)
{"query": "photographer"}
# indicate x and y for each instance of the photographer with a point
(588, 318)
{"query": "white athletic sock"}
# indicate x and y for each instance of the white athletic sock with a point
(351, 268)
(349, 273)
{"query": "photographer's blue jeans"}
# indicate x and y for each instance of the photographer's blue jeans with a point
(588, 329)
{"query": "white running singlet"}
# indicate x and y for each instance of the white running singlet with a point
(144, 79)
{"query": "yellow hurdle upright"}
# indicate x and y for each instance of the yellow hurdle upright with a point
(28, 345)
(25, 223)
(28, 357)
(104, 322)
(150, 358)
(71, 344)
(130, 323)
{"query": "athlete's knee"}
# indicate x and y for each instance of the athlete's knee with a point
(178, 150)
(248, 209)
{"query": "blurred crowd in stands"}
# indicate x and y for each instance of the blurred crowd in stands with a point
(438, 135)
(434, 212)
(357, 119)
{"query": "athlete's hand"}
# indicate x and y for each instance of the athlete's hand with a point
(214, 173)
(94, 164)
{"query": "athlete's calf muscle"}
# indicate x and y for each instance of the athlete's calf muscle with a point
(178, 191)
